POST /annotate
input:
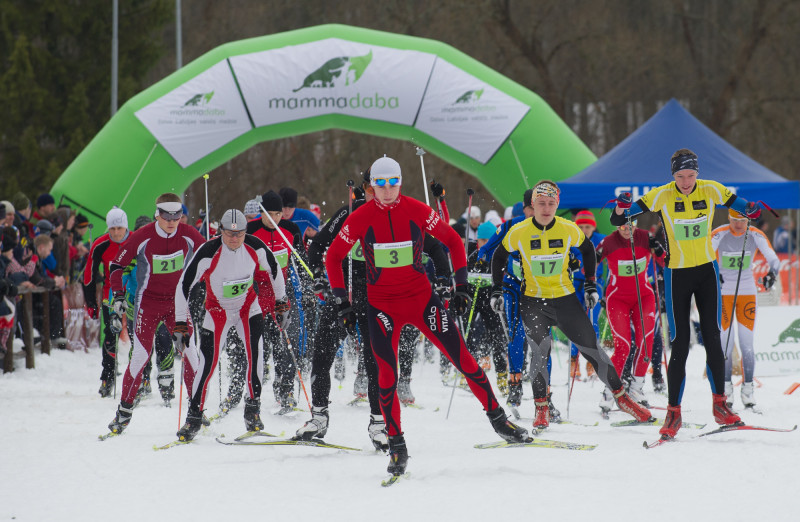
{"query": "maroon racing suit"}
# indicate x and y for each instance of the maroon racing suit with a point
(399, 293)
(160, 262)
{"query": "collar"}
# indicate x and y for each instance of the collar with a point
(391, 206)
(543, 227)
(675, 186)
(160, 231)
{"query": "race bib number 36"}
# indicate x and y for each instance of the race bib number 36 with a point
(735, 261)
(168, 264)
(688, 229)
(357, 252)
(236, 288)
(546, 266)
(625, 268)
(282, 257)
(393, 255)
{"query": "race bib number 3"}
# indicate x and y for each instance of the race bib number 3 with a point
(168, 264)
(688, 229)
(547, 266)
(393, 255)
(236, 288)
(625, 268)
(735, 261)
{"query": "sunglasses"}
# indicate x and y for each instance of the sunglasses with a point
(233, 233)
(170, 216)
(381, 182)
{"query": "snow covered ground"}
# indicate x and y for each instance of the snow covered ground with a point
(54, 467)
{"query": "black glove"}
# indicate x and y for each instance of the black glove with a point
(444, 288)
(482, 266)
(721, 280)
(321, 286)
(282, 309)
(461, 301)
(768, 280)
(347, 316)
(656, 247)
(574, 263)
(180, 335)
(119, 306)
(590, 294)
(497, 301)
(437, 189)
(358, 193)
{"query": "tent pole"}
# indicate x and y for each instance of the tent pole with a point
(519, 165)
(139, 174)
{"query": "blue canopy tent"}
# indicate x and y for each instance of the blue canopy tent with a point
(641, 162)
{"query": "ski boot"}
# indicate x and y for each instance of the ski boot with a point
(122, 419)
(722, 414)
(252, 415)
(398, 455)
(748, 395)
(338, 371)
(606, 402)
(166, 387)
(672, 422)
(541, 420)
(485, 363)
(555, 415)
(729, 393)
(658, 381)
(194, 421)
(514, 390)
(636, 391)
(360, 385)
(574, 368)
(288, 403)
(502, 383)
(317, 427)
(146, 388)
(404, 390)
(505, 428)
(106, 387)
(626, 404)
(377, 432)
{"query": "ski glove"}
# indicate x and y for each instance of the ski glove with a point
(437, 189)
(461, 301)
(92, 311)
(282, 309)
(768, 280)
(590, 294)
(444, 288)
(752, 210)
(625, 200)
(496, 301)
(119, 306)
(574, 263)
(321, 287)
(347, 316)
(656, 247)
(180, 335)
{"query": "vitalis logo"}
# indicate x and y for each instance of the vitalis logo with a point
(330, 73)
(469, 97)
(385, 320)
(199, 99)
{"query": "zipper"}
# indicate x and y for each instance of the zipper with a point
(391, 228)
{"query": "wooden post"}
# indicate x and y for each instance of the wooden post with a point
(27, 326)
(46, 322)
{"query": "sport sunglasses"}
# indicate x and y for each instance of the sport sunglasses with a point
(170, 216)
(381, 182)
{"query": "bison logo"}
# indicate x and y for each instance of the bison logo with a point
(791, 334)
(469, 96)
(344, 70)
(199, 99)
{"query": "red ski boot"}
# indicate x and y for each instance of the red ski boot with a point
(629, 406)
(722, 413)
(672, 423)
(542, 419)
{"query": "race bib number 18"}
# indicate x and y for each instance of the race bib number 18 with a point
(168, 264)
(688, 229)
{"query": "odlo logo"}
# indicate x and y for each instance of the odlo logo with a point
(199, 99)
(469, 97)
(433, 323)
(344, 70)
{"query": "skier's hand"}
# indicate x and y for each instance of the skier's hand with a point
(482, 266)
(180, 336)
(347, 316)
(768, 280)
(752, 210)
(283, 319)
(444, 288)
(437, 189)
(496, 301)
(119, 306)
(282, 305)
(321, 287)
(92, 311)
(461, 300)
(590, 294)
(625, 200)
(574, 263)
(656, 247)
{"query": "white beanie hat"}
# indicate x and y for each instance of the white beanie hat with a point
(9, 208)
(474, 212)
(116, 217)
(385, 167)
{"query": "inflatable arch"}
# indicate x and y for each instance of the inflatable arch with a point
(313, 79)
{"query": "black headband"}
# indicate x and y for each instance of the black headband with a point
(683, 162)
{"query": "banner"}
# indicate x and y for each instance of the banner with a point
(333, 76)
(199, 116)
(777, 341)
(760, 269)
(469, 115)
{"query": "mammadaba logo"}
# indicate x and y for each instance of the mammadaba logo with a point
(468, 102)
(337, 72)
(196, 106)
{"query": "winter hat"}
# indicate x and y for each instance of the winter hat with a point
(272, 202)
(527, 197)
(384, 168)
(735, 215)
(8, 239)
(251, 208)
(81, 221)
(486, 230)
(45, 227)
(288, 196)
(9, 207)
(585, 217)
(184, 210)
(142, 221)
(233, 219)
(493, 217)
(116, 217)
(508, 214)
(683, 159)
(316, 210)
(45, 199)
(21, 201)
(517, 209)
(474, 212)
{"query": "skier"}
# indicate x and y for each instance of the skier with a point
(549, 297)
(102, 252)
(686, 208)
(243, 284)
(161, 250)
(622, 303)
(391, 230)
(736, 273)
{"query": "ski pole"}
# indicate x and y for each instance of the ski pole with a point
(643, 347)
(259, 199)
(420, 153)
(294, 359)
(732, 311)
(208, 220)
(350, 185)
(470, 192)
(664, 335)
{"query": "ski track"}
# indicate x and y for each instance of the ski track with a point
(54, 468)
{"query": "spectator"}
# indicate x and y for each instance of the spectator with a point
(45, 208)
(251, 209)
(23, 219)
(8, 288)
(185, 215)
(63, 250)
(81, 227)
(7, 220)
(44, 249)
(785, 238)
(300, 216)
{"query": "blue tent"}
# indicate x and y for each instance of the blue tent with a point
(641, 162)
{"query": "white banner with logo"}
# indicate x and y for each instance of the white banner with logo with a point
(777, 340)
(467, 114)
(333, 76)
(198, 117)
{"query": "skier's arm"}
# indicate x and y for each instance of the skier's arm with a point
(762, 243)
(499, 260)
(589, 258)
(127, 252)
(619, 217)
(193, 272)
(445, 233)
(487, 250)
(434, 249)
(338, 250)
(91, 274)
(324, 238)
(268, 275)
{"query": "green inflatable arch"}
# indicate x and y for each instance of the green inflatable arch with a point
(314, 79)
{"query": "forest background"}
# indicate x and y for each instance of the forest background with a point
(604, 66)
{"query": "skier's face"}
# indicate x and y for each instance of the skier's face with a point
(387, 194)
(233, 239)
(276, 216)
(117, 234)
(168, 225)
(737, 225)
(685, 180)
(625, 232)
(544, 209)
